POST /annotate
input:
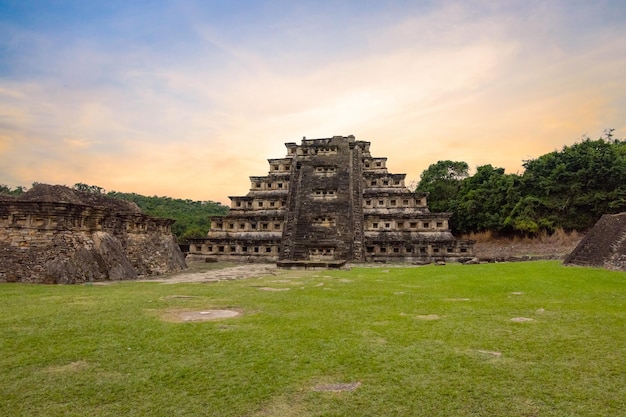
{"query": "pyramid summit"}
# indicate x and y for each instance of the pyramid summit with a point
(327, 202)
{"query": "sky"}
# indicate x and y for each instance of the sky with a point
(189, 98)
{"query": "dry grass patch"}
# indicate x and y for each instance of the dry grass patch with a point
(490, 353)
(521, 319)
(67, 368)
(180, 297)
(337, 387)
(428, 317)
(180, 316)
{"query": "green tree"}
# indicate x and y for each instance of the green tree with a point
(92, 189)
(5, 189)
(442, 182)
(572, 188)
(485, 200)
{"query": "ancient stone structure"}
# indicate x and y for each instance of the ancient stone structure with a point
(326, 202)
(604, 245)
(53, 234)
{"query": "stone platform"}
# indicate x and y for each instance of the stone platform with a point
(311, 265)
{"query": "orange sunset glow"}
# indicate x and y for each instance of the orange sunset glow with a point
(187, 99)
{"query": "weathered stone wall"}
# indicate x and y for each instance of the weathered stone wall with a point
(70, 242)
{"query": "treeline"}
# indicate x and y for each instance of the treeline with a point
(5, 189)
(568, 189)
(192, 217)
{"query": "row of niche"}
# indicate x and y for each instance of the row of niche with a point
(401, 225)
(381, 202)
(395, 225)
(246, 226)
(328, 221)
(324, 170)
(258, 204)
(82, 222)
(393, 202)
(370, 164)
(423, 250)
(267, 250)
(271, 185)
(314, 150)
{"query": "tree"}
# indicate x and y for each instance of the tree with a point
(485, 200)
(442, 181)
(5, 189)
(92, 189)
(574, 187)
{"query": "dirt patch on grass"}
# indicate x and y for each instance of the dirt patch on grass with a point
(180, 316)
(490, 353)
(337, 387)
(521, 319)
(428, 317)
(180, 297)
(227, 273)
(294, 404)
(70, 367)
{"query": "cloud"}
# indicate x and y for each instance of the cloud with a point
(195, 114)
(77, 143)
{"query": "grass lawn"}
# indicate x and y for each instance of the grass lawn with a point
(427, 341)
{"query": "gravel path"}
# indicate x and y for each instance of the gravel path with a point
(224, 274)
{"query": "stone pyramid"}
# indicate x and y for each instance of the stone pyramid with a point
(327, 202)
(604, 245)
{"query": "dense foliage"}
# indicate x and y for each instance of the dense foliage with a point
(192, 217)
(568, 189)
(5, 189)
(442, 181)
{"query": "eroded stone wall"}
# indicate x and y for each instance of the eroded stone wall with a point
(70, 242)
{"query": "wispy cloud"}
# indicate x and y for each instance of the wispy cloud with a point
(189, 100)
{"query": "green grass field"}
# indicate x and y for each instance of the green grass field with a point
(428, 341)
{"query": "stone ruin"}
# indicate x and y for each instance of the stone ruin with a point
(328, 202)
(57, 235)
(603, 246)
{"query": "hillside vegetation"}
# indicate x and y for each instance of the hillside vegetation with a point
(192, 217)
(568, 189)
